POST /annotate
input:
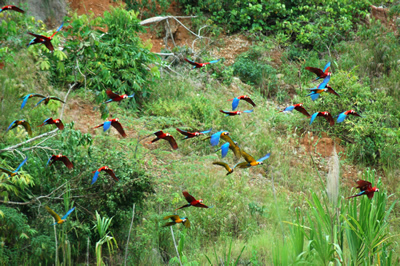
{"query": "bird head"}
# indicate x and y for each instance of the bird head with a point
(57, 121)
(260, 163)
(184, 219)
(106, 167)
(299, 104)
(116, 119)
(200, 200)
(124, 96)
(375, 189)
(325, 113)
(225, 133)
(352, 111)
(239, 112)
(167, 134)
(245, 96)
(197, 134)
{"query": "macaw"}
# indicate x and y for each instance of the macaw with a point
(250, 161)
(325, 115)
(365, 189)
(23, 123)
(105, 169)
(232, 145)
(47, 100)
(44, 39)
(235, 112)
(30, 96)
(298, 107)
(116, 97)
(56, 122)
(115, 123)
(61, 158)
(214, 139)
(230, 170)
(15, 172)
(192, 201)
(235, 101)
(189, 135)
(175, 219)
(342, 116)
(168, 137)
(57, 217)
(323, 87)
(319, 72)
(200, 65)
(11, 7)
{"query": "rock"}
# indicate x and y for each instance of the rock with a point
(280, 76)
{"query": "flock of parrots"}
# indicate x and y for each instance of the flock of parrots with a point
(364, 186)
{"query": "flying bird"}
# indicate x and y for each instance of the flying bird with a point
(342, 116)
(56, 122)
(214, 139)
(23, 123)
(57, 217)
(168, 137)
(192, 201)
(298, 107)
(116, 97)
(232, 145)
(44, 39)
(228, 113)
(175, 220)
(365, 189)
(115, 123)
(235, 101)
(47, 100)
(323, 87)
(226, 166)
(15, 172)
(250, 161)
(189, 135)
(11, 7)
(319, 72)
(61, 158)
(30, 96)
(105, 169)
(200, 65)
(325, 115)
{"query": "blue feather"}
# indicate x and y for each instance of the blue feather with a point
(96, 175)
(31, 41)
(40, 101)
(214, 61)
(214, 140)
(289, 108)
(326, 66)
(45, 121)
(106, 125)
(235, 103)
(10, 125)
(49, 161)
(313, 117)
(68, 213)
(130, 96)
(248, 111)
(19, 166)
(263, 158)
(224, 149)
(314, 96)
(59, 28)
(24, 101)
(324, 83)
(206, 131)
(341, 117)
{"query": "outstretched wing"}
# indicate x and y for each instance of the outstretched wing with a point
(324, 83)
(242, 165)
(60, 125)
(206, 131)
(11, 125)
(56, 98)
(329, 118)
(30, 96)
(302, 110)
(247, 157)
(169, 224)
(174, 217)
(111, 94)
(341, 117)
(263, 158)
(41, 101)
(186, 223)
(189, 198)
(191, 62)
(172, 142)
(364, 185)
(27, 127)
(67, 162)
(313, 117)
(112, 174)
(248, 111)
(68, 213)
(59, 28)
(38, 36)
(224, 165)
(6, 171)
(330, 90)
(184, 132)
(96, 175)
(214, 140)
(21, 164)
(224, 149)
(49, 45)
(201, 205)
(106, 126)
(250, 101)
(117, 125)
(316, 71)
(235, 103)
(53, 213)
(214, 61)
(326, 68)
(49, 161)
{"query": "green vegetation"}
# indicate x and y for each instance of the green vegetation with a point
(281, 213)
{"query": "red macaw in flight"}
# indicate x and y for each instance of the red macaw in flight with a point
(200, 65)
(298, 107)
(30, 95)
(192, 201)
(342, 116)
(116, 97)
(168, 137)
(47, 100)
(325, 115)
(105, 169)
(44, 39)
(56, 122)
(321, 74)
(365, 189)
(15, 172)
(250, 161)
(235, 101)
(226, 166)
(11, 7)
(115, 123)
(57, 217)
(189, 135)
(228, 113)
(176, 219)
(61, 158)
(23, 123)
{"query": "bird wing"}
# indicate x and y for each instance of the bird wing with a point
(247, 157)
(224, 149)
(27, 127)
(68, 213)
(184, 132)
(49, 45)
(10, 126)
(15, 8)
(316, 71)
(214, 140)
(355, 114)
(41, 101)
(248, 111)
(313, 117)
(6, 171)
(326, 68)
(236, 151)
(96, 175)
(341, 117)
(174, 217)
(201, 205)
(186, 223)
(324, 82)
(214, 61)
(117, 125)
(59, 28)
(226, 112)
(38, 36)
(159, 133)
(189, 198)
(329, 118)
(67, 162)
(112, 174)
(56, 98)
(314, 96)
(60, 125)
(302, 110)
(191, 62)
(330, 90)
(288, 109)
(364, 185)
(250, 101)
(111, 94)
(235, 103)
(263, 158)
(29, 96)
(101, 125)
(172, 142)
(106, 126)
(53, 213)
(227, 139)
(169, 224)
(21, 164)
(242, 165)
(49, 161)
(224, 165)
(206, 131)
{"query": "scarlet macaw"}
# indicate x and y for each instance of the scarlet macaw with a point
(175, 219)
(30, 96)
(47, 100)
(342, 116)
(116, 97)
(168, 137)
(235, 101)
(200, 65)
(15, 172)
(214, 139)
(323, 87)
(56, 122)
(298, 107)
(189, 135)
(57, 217)
(115, 123)
(44, 39)
(230, 170)
(325, 115)
(105, 169)
(365, 189)
(319, 72)
(228, 113)
(23, 123)
(250, 161)
(192, 201)
(11, 7)
(61, 158)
